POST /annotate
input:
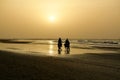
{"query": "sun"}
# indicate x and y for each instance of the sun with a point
(52, 18)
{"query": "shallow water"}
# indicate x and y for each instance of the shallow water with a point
(49, 47)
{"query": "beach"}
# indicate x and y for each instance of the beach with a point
(59, 39)
(17, 64)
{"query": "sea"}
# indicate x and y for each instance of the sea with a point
(49, 46)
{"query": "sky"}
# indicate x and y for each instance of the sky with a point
(83, 19)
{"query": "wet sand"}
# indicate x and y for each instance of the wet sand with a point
(89, 66)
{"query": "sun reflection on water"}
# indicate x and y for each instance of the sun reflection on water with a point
(51, 49)
(50, 42)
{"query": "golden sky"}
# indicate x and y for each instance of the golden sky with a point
(98, 19)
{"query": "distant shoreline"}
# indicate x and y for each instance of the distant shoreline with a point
(53, 39)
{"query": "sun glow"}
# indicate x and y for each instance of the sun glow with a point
(52, 18)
